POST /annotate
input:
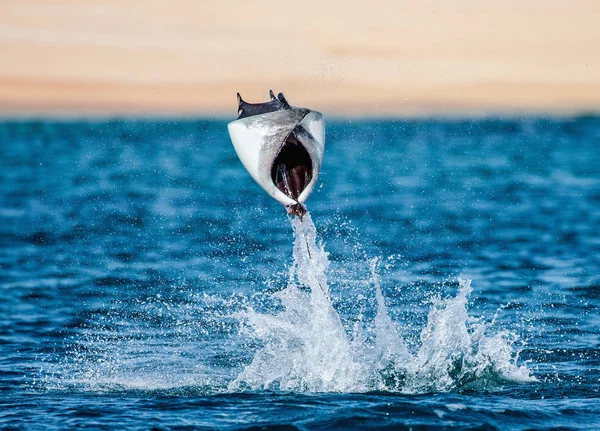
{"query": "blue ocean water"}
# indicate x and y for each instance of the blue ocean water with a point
(454, 278)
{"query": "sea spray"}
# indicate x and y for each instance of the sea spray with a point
(306, 348)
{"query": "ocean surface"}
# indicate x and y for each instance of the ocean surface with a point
(447, 275)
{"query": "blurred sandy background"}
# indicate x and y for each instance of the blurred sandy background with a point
(126, 57)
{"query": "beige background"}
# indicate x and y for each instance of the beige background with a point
(174, 57)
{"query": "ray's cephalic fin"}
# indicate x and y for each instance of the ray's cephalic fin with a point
(283, 101)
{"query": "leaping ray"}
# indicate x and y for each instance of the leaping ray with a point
(281, 146)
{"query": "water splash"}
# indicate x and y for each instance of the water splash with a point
(179, 341)
(305, 347)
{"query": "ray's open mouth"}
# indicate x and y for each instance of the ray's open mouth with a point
(292, 169)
